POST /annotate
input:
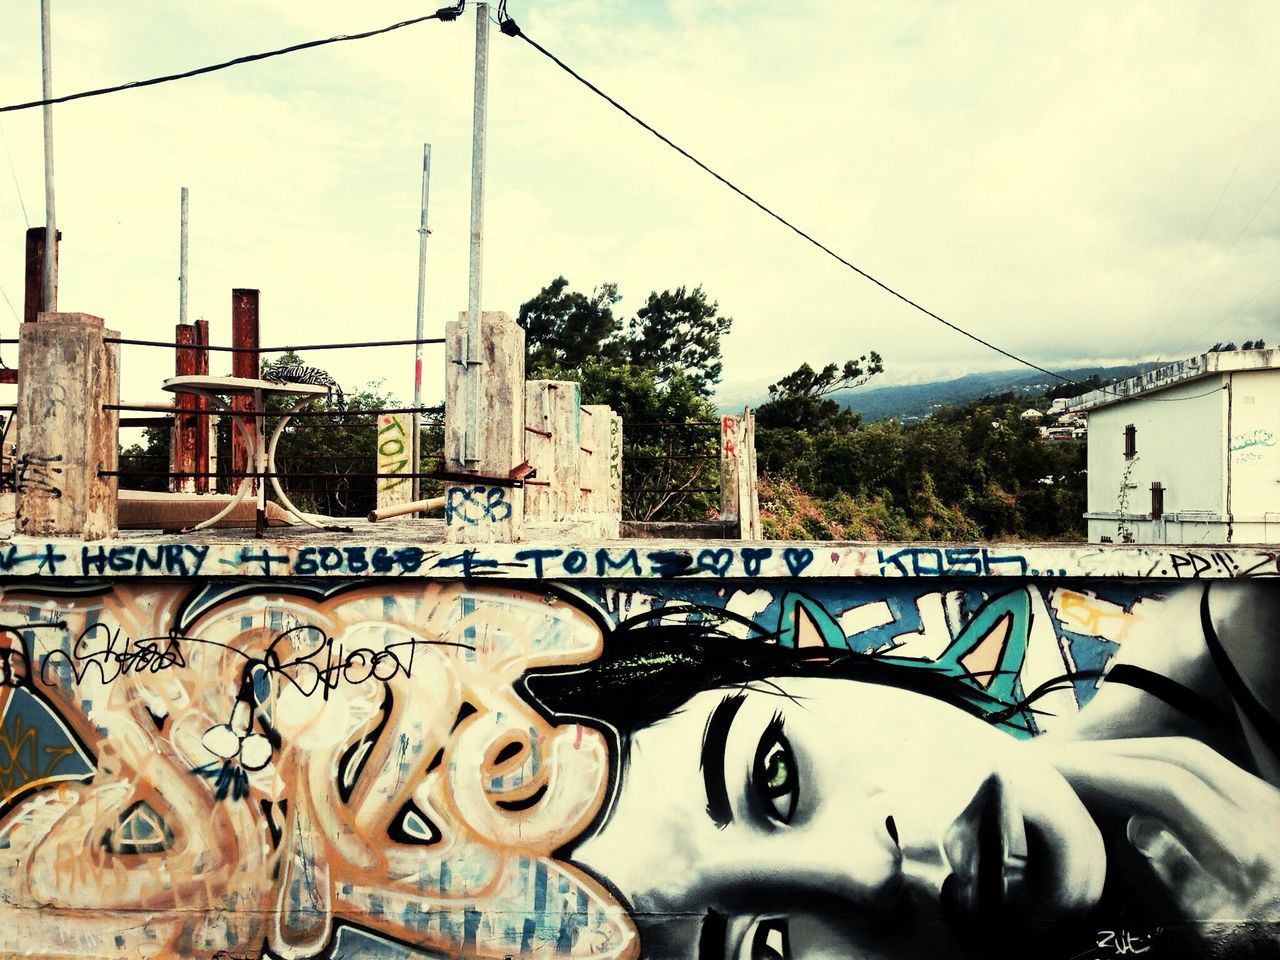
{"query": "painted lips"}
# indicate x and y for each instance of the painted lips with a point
(986, 847)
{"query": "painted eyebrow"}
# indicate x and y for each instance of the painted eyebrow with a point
(714, 739)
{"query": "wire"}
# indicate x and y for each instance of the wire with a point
(11, 310)
(512, 29)
(444, 14)
(22, 203)
(1212, 213)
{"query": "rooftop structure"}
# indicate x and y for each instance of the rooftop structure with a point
(1187, 453)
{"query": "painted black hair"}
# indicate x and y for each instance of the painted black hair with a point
(650, 668)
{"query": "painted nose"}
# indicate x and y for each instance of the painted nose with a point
(851, 855)
(872, 871)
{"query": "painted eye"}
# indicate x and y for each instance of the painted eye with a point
(769, 942)
(774, 776)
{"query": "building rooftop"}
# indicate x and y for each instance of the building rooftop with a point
(1176, 373)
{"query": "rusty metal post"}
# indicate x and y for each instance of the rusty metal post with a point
(33, 303)
(182, 438)
(244, 333)
(204, 426)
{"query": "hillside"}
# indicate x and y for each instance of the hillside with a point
(915, 400)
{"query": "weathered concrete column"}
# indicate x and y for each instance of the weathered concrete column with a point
(748, 487)
(739, 499)
(66, 374)
(553, 434)
(394, 435)
(485, 512)
(596, 489)
(614, 504)
(588, 500)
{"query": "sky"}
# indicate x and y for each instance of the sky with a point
(1077, 183)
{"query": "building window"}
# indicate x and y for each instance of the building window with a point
(1157, 500)
(1130, 442)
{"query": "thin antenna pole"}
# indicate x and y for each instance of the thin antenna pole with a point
(182, 261)
(423, 232)
(49, 285)
(471, 330)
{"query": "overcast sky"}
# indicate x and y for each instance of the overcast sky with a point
(1075, 182)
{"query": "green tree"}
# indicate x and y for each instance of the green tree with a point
(566, 328)
(657, 370)
(677, 333)
(802, 400)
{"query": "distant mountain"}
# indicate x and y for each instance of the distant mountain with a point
(912, 401)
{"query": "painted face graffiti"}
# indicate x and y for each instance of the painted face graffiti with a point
(833, 809)
(819, 807)
(303, 767)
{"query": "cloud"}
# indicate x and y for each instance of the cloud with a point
(1043, 176)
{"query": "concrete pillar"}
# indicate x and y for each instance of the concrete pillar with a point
(739, 498)
(748, 489)
(730, 429)
(485, 512)
(66, 374)
(588, 501)
(394, 435)
(614, 504)
(554, 433)
(598, 476)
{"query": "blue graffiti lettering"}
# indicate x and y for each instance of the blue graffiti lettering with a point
(537, 556)
(715, 561)
(797, 559)
(752, 558)
(629, 559)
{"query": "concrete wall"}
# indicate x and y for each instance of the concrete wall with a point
(1181, 443)
(608, 751)
(1255, 456)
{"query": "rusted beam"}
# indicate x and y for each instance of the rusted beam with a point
(182, 444)
(33, 303)
(203, 423)
(244, 333)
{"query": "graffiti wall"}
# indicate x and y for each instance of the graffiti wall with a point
(705, 768)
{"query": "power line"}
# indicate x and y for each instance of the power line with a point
(512, 29)
(1147, 341)
(11, 310)
(443, 14)
(22, 203)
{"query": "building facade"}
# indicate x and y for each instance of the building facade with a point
(1189, 453)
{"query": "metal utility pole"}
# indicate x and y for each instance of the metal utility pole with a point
(471, 330)
(423, 232)
(182, 261)
(49, 285)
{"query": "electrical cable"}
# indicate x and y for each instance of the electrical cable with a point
(15, 316)
(512, 29)
(1146, 341)
(444, 14)
(17, 189)
(1222, 256)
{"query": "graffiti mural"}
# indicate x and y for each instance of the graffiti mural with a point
(767, 768)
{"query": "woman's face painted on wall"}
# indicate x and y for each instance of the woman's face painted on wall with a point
(806, 817)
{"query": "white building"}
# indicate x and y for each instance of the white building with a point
(1188, 453)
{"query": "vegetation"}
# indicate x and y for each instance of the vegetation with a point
(657, 369)
(971, 471)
